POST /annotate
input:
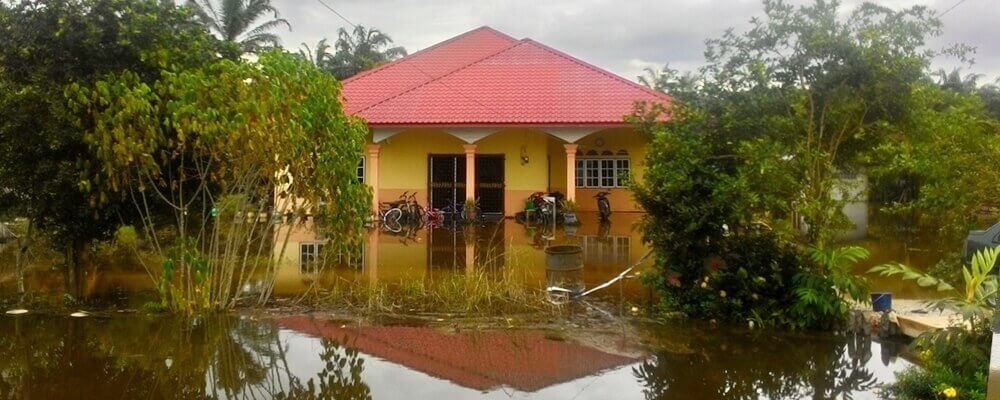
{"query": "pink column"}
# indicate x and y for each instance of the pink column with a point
(571, 171)
(371, 173)
(470, 171)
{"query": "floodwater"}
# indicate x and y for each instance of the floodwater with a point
(127, 355)
(506, 248)
(298, 357)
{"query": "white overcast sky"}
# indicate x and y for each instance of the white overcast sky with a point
(622, 36)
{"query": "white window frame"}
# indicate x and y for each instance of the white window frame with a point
(361, 170)
(603, 171)
(310, 253)
(309, 256)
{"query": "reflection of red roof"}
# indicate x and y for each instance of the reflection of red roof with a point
(486, 77)
(477, 360)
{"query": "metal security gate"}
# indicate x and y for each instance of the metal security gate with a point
(490, 184)
(447, 181)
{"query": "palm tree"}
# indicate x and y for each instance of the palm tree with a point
(955, 81)
(362, 49)
(233, 21)
(321, 57)
(683, 86)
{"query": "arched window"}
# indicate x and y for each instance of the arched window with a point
(622, 152)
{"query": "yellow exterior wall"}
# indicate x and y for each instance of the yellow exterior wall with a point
(521, 179)
(612, 140)
(403, 163)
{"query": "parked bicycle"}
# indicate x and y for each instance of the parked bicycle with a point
(391, 215)
(413, 212)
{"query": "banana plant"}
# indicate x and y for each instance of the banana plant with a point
(973, 298)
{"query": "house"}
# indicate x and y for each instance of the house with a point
(489, 117)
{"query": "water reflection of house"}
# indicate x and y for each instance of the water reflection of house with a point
(486, 116)
(478, 360)
(504, 246)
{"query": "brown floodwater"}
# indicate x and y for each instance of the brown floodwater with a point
(504, 248)
(298, 357)
(236, 357)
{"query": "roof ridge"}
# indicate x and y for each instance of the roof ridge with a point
(410, 56)
(452, 72)
(597, 69)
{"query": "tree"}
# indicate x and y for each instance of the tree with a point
(48, 46)
(362, 49)
(262, 143)
(233, 21)
(955, 81)
(321, 57)
(808, 94)
(938, 169)
(681, 86)
(810, 90)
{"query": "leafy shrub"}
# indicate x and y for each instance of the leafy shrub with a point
(956, 358)
(710, 217)
(820, 292)
(750, 279)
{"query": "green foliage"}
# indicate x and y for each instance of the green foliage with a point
(957, 357)
(821, 293)
(939, 167)
(767, 132)
(722, 249)
(954, 358)
(49, 47)
(249, 140)
(570, 206)
(799, 99)
(971, 298)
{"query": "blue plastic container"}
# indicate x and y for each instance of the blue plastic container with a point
(881, 301)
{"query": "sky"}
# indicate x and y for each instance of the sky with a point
(622, 36)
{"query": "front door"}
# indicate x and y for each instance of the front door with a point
(447, 181)
(490, 184)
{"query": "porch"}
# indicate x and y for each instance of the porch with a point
(503, 165)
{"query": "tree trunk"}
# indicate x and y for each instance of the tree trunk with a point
(74, 263)
(21, 261)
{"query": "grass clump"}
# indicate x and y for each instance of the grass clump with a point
(475, 294)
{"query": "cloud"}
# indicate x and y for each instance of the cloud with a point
(622, 36)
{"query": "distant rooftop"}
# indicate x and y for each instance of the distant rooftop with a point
(485, 77)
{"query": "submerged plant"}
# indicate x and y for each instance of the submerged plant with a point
(223, 157)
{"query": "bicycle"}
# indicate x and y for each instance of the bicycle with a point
(414, 211)
(390, 214)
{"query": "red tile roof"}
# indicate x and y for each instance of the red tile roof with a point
(477, 360)
(484, 77)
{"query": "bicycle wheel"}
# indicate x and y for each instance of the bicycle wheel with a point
(392, 216)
